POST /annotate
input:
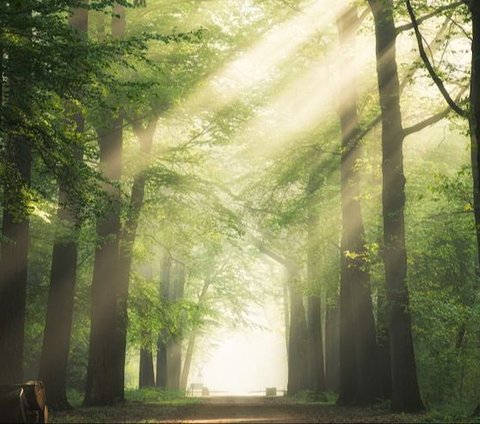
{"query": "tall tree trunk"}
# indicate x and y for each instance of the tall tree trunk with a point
(475, 117)
(15, 224)
(297, 351)
(58, 326)
(165, 276)
(191, 341)
(102, 371)
(174, 345)
(187, 362)
(405, 390)
(100, 389)
(358, 383)
(332, 347)
(384, 374)
(145, 137)
(316, 371)
(286, 315)
(146, 377)
(474, 121)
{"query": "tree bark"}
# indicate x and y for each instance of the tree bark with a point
(475, 116)
(383, 341)
(286, 316)
(316, 371)
(174, 345)
(146, 377)
(15, 224)
(58, 326)
(128, 235)
(358, 350)
(332, 347)
(100, 389)
(102, 371)
(165, 275)
(191, 341)
(474, 122)
(297, 350)
(187, 362)
(405, 390)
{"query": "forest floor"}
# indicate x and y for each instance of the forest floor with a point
(232, 409)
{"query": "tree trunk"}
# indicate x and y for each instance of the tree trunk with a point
(297, 351)
(145, 137)
(286, 315)
(475, 117)
(102, 371)
(191, 341)
(146, 377)
(187, 362)
(475, 127)
(174, 345)
(383, 341)
(405, 391)
(332, 347)
(316, 371)
(100, 389)
(162, 365)
(58, 326)
(14, 240)
(358, 383)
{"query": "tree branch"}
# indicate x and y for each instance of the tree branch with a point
(427, 122)
(432, 119)
(436, 79)
(436, 12)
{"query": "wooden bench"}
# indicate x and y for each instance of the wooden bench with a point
(23, 403)
(271, 391)
(196, 388)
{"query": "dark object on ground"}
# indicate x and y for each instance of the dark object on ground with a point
(23, 403)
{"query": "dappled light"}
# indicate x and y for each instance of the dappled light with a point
(239, 211)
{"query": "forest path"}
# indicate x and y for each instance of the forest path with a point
(233, 409)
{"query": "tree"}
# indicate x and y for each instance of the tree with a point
(405, 391)
(358, 382)
(56, 341)
(314, 311)
(17, 156)
(145, 136)
(162, 358)
(102, 386)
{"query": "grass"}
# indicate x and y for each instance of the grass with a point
(157, 396)
(144, 405)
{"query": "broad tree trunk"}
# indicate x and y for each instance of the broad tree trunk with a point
(405, 390)
(332, 347)
(475, 126)
(297, 351)
(358, 350)
(475, 116)
(101, 378)
(145, 137)
(174, 364)
(165, 275)
(146, 377)
(314, 311)
(14, 241)
(58, 326)
(102, 371)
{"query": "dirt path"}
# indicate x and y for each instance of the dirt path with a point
(238, 409)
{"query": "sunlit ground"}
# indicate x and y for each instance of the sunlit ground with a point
(244, 361)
